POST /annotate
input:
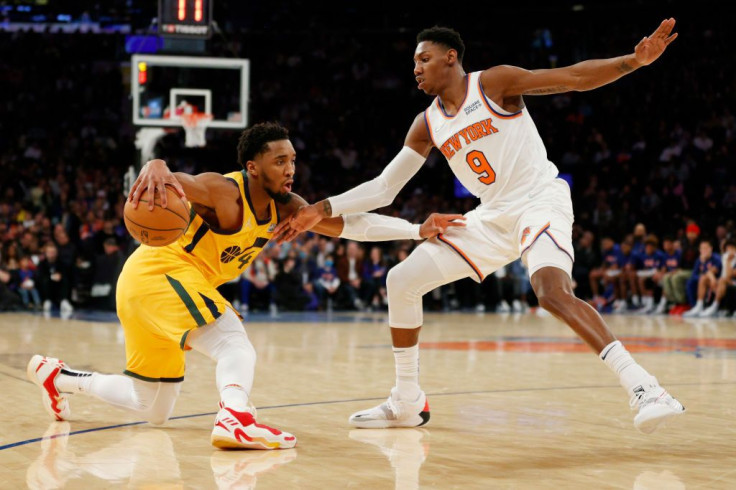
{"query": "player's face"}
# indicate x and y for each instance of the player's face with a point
(431, 65)
(276, 168)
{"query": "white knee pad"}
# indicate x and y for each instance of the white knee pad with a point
(155, 401)
(407, 283)
(221, 337)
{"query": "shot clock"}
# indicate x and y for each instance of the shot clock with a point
(185, 18)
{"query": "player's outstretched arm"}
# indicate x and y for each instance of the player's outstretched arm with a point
(506, 81)
(375, 193)
(371, 227)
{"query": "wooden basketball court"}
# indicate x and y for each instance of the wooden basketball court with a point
(516, 401)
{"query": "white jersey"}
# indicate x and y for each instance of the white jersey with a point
(499, 157)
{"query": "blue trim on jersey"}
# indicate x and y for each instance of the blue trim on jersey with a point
(465, 99)
(490, 106)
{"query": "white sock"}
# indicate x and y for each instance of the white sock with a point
(698, 305)
(71, 381)
(407, 371)
(630, 374)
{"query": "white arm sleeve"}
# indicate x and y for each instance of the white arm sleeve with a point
(382, 190)
(369, 227)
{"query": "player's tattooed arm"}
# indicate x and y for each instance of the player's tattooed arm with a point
(549, 90)
(327, 208)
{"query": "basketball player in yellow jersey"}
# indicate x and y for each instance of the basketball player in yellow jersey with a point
(167, 298)
(480, 124)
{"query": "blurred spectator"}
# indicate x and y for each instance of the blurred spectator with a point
(106, 271)
(27, 284)
(704, 278)
(665, 277)
(649, 263)
(289, 291)
(349, 268)
(54, 280)
(585, 261)
(374, 279)
(688, 256)
(726, 280)
(9, 301)
(256, 285)
(327, 284)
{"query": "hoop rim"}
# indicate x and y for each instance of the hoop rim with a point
(195, 119)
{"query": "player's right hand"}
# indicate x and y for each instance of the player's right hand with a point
(437, 223)
(155, 175)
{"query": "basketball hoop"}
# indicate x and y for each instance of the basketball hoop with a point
(195, 125)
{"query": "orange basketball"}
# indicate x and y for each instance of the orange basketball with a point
(161, 226)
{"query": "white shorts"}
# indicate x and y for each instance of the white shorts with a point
(539, 231)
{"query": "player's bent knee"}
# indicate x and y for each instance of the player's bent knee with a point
(556, 301)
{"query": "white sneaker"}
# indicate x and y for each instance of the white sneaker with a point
(503, 307)
(43, 372)
(710, 311)
(517, 307)
(239, 430)
(47, 305)
(661, 307)
(694, 311)
(655, 407)
(620, 306)
(393, 413)
(66, 306)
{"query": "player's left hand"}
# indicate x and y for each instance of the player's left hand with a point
(437, 223)
(650, 48)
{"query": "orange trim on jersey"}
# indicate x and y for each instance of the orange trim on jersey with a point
(486, 101)
(460, 252)
(539, 233)
(429, 127)
(442, 109)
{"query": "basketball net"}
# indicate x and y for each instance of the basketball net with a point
(195, 125)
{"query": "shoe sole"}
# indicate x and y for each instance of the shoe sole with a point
(390, 424)
(31, 375)
(655, 418)
(225, 442)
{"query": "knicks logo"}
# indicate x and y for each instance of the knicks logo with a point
(525, 234)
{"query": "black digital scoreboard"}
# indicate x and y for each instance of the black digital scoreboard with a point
(185, 18)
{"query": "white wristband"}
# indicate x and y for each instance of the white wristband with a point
(369, 227)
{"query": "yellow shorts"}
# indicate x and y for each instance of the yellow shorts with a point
(161, 297)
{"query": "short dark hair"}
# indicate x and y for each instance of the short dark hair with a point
(254, 140)
(445, 36)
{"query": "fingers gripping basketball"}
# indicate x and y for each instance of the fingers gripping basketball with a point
(161, 226)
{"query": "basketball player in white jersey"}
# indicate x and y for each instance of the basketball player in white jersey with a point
(480, 124)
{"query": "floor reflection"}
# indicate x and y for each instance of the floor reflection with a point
(145, 459)
(406, 450)
(240, 469)
(141, 459)
(664, 480)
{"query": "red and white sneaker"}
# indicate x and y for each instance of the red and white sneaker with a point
(239, 430)
(43, 372)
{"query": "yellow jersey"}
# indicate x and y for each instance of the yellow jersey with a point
(164, 292)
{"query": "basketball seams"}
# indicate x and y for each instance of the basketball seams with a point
(143, 227)
(169, 210)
